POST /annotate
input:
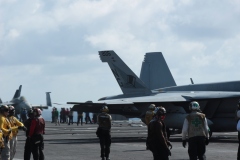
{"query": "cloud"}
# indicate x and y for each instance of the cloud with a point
(53, 45)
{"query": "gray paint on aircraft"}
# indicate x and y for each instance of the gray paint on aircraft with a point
(155, 72)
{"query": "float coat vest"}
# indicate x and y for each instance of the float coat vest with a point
(104, 121)
(149, 116)
(196, 124)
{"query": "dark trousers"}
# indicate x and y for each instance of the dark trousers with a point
(159, 152)
(37, 146)
(80, 118)
(23, 118)
(27, 149)
(196, 148)
(105, 143)
(52, 119)
(87, 118)
(238, 154)
(61, 119)
(70, 120)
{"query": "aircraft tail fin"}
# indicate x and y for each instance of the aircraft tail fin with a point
(18, 92)
(155, 72)
(126, 78)
(48, 99)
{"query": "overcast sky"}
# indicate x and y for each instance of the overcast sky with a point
(53, 45)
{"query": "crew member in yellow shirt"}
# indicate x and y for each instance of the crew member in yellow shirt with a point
(1, 141)
(14, 123)
(7, 130)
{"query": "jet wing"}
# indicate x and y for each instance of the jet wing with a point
(210, 95)
(98, 104)
(7, 103)
(115, 106)
(165, 97)
(39, 106)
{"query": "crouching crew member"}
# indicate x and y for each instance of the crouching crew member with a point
(157, 138)
(104, 132)
(17, 124)
(37, 129)
(7, 131)
(196, 127)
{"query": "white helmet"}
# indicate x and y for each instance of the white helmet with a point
(194, 106)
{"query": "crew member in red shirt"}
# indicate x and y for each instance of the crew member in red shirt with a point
(37, 129)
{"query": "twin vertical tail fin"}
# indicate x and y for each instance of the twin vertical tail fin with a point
(126, 78)
(48, 99)
(18, 92)
(155, 72)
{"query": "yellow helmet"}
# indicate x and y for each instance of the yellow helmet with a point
(104, 109)
(152, 107)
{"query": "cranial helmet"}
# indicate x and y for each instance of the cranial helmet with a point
(160, 111)
(152, 107)
(30, 113)
(104, 109)
(37, 112)
(4, 108)
(194, 106)
(11, 110)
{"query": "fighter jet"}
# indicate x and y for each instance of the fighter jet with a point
(20, 102)
(218, 100)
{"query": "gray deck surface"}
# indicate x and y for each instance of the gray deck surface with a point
(74, 142)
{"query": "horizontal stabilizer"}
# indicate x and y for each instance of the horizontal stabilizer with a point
(126, 78)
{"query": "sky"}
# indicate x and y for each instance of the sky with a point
(53, 45)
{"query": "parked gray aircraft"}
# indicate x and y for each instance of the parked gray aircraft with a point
(20, 102)
(217, 100)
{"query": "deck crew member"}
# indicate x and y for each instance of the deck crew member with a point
(196, 127)
(149, 114)
(104, 132)
(157, 138)
(14, 123)
(37, 129)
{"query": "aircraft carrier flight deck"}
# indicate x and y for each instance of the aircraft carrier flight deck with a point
(72, 142)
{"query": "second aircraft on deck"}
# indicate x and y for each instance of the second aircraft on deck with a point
(156, 85)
